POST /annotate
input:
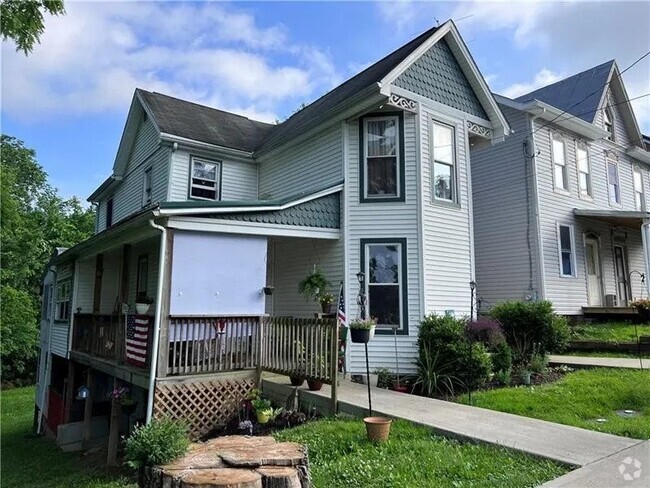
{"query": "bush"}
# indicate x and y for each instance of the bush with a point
(486, 331)
(19, 332)
(525, 324)
(384, 378)
(159, 442)
(502, 358)
(445, 363)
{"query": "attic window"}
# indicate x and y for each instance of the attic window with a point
(608, 120)
(205, 179)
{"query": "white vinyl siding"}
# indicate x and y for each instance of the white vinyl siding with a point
(560, 170)
(303, 167)
(147, 187)
(61, 328)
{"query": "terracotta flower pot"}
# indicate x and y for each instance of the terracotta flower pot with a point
(297, 380)
(377, 428)
(314, 385)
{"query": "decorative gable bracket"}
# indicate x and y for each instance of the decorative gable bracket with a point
(479, 130)
(403, 103)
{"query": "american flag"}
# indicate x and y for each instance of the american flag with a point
(137, 339)
(341, 309)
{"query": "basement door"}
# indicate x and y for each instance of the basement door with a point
(594, 282)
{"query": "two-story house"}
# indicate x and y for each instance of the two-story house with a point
(217, 218)
(561, 206)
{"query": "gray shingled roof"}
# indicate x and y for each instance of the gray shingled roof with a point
(205, 124)
(568, 94)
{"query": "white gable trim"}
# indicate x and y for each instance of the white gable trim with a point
(449, 31)
(615, 83)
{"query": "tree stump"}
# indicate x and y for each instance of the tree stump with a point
(234, 462)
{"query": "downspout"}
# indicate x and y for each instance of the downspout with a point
(157, 317)
(645, 239)
(46, 378)
(540, 245)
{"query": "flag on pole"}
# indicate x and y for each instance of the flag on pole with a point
(341, 308)
(137, 339)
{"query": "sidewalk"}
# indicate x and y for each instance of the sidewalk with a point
(562, 443)
(585, 362)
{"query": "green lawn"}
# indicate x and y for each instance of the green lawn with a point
(609, 332)
(340, 456)
(29, 461)
(579, 399)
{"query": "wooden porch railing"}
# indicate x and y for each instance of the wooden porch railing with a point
(300, 347)
(212, 344)
(97, 335)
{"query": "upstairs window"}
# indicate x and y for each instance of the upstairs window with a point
(639, 197)
(560, 170)
(381, 158)
(205, 179)
(584, 171)
(613, 182)
(444, 162)
(109, 212)
(63, 298)
(608, 120)
(566, 250)
(147, 187)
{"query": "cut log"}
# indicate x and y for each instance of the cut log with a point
(222, 478)
(281, 454)
(279, 477)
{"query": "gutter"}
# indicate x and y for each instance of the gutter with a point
(538, 225)
(639, 154)
(164, 136)
(157, 317)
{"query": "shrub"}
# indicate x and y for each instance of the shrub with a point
(384, 378)
(445, 363)
(502, 358)
(527, 323)
(486, 331)
(159, 442)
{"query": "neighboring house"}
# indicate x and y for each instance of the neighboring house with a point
(561, 205)
(205, 209)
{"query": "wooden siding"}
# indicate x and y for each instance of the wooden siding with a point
(307, 166)
(502, 214)
(238, 179)
(570, 294)
(85, 286)
(384, 220)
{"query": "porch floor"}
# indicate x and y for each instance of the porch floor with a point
(562, 443)
(125, 372)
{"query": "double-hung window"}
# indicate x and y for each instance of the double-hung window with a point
(639, 197)
(560, 171)
(205, 179)
(613, 182)
(146, 191)
(381, 160)
(63, 298)
(566, 250)
(444, 162)
(584, 170)
(385, 270)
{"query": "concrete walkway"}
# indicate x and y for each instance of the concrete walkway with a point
(588, 361)
(562, 443)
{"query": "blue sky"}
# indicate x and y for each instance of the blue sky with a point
(69, 98)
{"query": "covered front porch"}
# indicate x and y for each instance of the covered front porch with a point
(616, 253)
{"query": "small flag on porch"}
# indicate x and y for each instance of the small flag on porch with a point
(137, 339)
(341, 309)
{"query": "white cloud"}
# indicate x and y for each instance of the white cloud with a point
(399, 13)
(542, 78)
(92, 59)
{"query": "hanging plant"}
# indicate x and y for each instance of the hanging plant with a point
(313, 285)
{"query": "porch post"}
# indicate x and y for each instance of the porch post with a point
(645, 238)
(114, 429)
(69, 392)
(88, 409)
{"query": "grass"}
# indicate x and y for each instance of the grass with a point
(340, 456)
(579, 399)
(609, 332)
(29, 461)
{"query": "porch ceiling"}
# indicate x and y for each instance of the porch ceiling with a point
(626, 218)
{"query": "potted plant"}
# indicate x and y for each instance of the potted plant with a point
(326, 301)
(122, 396)
(377, 428)
(313, 285)
(643, 308)
(297, 378)
(263, 409)
(317, 364)
(361, 331)
(142, 305)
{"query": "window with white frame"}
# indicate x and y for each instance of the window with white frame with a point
(63, 299)
(608, 121)
(147, 187)
(381, 160)
(560, 170)
(205, 178)
(584, 170)
(613, 182)
(566, 250)
(444, 162)
(385, 281)
(639, 197)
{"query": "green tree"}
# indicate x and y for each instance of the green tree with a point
(22, 20)
(35, 220)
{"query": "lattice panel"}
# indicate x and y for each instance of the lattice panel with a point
(204, 405)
